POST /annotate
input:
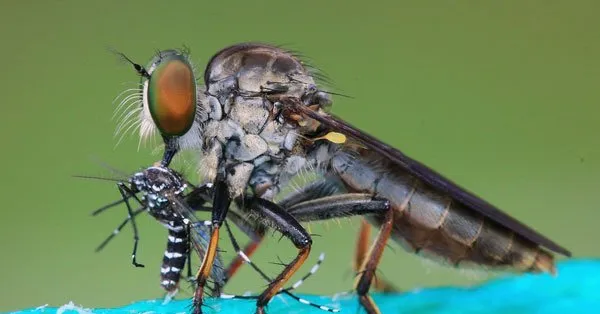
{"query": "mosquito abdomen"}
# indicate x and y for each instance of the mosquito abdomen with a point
(435, 225)
(174, 258)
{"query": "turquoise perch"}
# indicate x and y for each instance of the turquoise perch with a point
(575, 290)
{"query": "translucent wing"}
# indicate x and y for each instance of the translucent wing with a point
(427, 175)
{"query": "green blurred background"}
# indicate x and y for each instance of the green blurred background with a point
(502, 97)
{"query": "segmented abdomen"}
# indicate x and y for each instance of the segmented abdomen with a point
(174, 257)
(433, 224)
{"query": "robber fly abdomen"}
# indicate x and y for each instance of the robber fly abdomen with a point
(436, 224)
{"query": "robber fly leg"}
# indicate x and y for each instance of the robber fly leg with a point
(125, 193)
(350, 204)
(256, 231)
(291, 228)
(362, 247)
(338, 206)
(247, 260)
(315, 190)
(369, 266)
(362, 244)
(221, 204)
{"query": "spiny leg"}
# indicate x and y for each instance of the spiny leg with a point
(362, 247)
(247, 260)
(323, 208)
(315, 190)
(256, 231)
(221, 204)
(338, 206)
(350, 204)
(285, 223)
(362, 244)
(124, 190)
(370, 263)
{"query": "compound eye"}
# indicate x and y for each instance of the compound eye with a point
(172, 95)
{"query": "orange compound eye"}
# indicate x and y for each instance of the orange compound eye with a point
(172, 94)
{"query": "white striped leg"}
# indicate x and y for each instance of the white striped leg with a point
(118, 229)
(312, 271)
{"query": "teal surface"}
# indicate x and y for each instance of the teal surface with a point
(575, 290)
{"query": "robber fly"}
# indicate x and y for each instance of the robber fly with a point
(261, 119)
(162, 196)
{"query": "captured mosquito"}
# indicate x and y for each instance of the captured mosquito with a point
(162, 196)
(261, 119)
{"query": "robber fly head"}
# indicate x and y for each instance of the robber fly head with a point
(165, 100)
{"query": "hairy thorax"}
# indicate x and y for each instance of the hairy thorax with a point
(246, 135)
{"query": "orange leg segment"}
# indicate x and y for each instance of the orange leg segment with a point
(362, 247)
(369, 266)
(205, 269)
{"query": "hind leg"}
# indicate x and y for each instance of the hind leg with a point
(362, 247)
(369, 265)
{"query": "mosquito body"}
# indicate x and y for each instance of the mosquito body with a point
(162, 196)
(260, 120)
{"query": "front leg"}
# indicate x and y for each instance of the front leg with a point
(221, 204)
(285, 223)
(125, 194)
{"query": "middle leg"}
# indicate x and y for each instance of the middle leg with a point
(285, 223)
